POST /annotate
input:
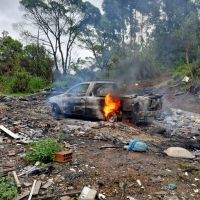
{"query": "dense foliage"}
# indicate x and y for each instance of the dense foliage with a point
(23, 69)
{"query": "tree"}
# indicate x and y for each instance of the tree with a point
(61, 21)
(10, 54)
(37, 62)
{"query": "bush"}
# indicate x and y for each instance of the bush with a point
(19, 82)
(8, 189)
(43, 151)
(182, 71)
(36, 83)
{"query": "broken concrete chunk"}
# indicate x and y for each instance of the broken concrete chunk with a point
(88, 194)
(179, 152)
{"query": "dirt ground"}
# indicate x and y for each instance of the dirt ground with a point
(114, 172)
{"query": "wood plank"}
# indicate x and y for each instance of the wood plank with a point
(10, 133)
(37, 187)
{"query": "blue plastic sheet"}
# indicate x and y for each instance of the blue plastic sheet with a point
(136, 145)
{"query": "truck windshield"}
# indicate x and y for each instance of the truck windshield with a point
(102, 89)
(78, 90)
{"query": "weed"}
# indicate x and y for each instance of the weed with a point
(43, 151)
(8, 189)
(60, 137)
(186, 166)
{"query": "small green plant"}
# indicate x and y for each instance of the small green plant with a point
(187, 166)
(8, 189)
(60, 137)
(43, 151)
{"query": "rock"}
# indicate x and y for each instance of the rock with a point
(179, 152)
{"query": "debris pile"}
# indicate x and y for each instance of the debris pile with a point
(92, 163)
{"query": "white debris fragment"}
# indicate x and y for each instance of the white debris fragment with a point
(10, 133)
(186, 79)
(88, 194)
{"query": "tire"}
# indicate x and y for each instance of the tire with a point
(55, 110)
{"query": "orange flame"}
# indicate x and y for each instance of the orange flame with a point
(112, 105)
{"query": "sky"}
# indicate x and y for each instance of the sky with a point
(11, 13)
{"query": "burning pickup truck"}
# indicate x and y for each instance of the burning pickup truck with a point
(102, 100)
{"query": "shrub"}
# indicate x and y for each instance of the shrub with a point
(43, 151)
(36, 83)
(182, 71)
(19, 82)
(8, 189)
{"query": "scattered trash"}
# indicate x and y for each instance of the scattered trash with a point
(172, 186)
(179, 152)
(22, 195)
(32, 190)
(38, 172)
(186, 79)
(139, 182)
(65, 198)
(196, 153)
(179, 93)
(31, 169)
(131, 198)
(196, 190)
(109, 147)
(101, 196)
(37, 187)
(48, 184)
(88, 194)
(16, 179)
(137, 146)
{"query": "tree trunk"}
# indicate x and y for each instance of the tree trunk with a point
(188, 63)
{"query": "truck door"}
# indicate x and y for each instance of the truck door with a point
(77, 99)
(96, 99)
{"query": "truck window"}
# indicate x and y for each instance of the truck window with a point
(102, 89)
(79, 90)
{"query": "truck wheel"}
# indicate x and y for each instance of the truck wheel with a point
(55, 110)
(112, 117)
